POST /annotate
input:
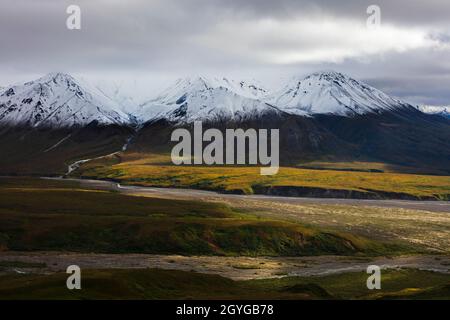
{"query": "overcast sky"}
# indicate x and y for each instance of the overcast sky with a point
(146, 44)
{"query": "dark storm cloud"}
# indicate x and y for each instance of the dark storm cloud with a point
(251, 38)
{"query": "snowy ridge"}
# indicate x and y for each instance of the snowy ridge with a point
(332, 93)
(128, 103)
(436, 110)
(57, 100)
(201, 98)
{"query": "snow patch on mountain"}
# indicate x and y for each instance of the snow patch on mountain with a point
(436, 110)
(58, 100)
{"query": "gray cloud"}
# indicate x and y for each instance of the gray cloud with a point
(163, 39)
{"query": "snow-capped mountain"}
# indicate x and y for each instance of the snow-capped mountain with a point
(201, 98)
(331, 93)
(436, 110)
(58, 100)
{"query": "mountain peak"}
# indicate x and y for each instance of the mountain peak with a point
(57, 100)
(199, 98)
(331, 74)
(56, 77)
(59, 79)
(331, 92)
(196, 83)
(58, 74)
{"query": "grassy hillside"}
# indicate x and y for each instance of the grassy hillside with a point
(358, 166)
(44, 151)
(164, 284)
(61, 216)
(156, 170)
(396, 284)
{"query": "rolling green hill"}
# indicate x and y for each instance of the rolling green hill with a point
(164, 284)
(59, 216)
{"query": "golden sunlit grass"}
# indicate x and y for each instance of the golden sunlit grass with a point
(156, 170)
(354, 166)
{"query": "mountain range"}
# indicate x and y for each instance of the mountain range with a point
(59, 100)
(50, 122)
